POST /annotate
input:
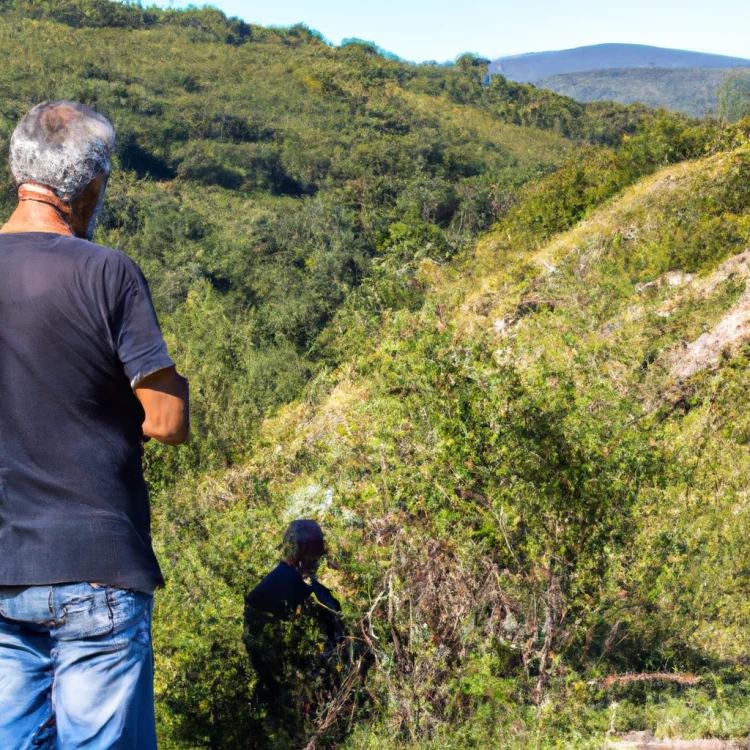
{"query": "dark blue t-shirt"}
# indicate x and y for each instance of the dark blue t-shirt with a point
(77, 331)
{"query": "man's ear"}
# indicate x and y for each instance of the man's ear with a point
(84, 209)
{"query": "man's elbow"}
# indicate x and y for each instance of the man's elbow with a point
(165, 398)
(177, 436)
(169, 429)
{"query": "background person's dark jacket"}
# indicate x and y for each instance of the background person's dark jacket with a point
(296, 641)
(283, 590)
(281, 613)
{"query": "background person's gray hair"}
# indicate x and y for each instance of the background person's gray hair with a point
(63, 145)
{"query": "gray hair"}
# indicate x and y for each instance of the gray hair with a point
(63, 145)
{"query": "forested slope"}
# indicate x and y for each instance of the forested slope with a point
(524, 496)
(423, 311)
(259, 179)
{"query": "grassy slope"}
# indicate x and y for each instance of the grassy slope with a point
(394, 453)
(690, 90)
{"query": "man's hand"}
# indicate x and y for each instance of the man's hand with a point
(165, 399)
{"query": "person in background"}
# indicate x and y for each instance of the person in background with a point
(295, 639)
(85, 379)
(286, 587)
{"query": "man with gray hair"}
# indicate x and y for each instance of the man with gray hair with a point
(296, 641)
(85, 379)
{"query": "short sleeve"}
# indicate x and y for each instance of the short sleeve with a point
(138, 338)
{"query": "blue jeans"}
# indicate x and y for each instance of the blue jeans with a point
(76, 669)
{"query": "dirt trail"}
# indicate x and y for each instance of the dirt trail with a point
(638, 740)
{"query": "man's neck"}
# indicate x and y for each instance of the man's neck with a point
(37, 216)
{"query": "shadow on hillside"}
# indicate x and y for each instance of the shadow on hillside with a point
(134, 157)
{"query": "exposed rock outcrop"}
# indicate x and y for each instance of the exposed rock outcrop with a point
(727, 335)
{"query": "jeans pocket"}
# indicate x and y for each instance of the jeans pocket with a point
(85, 616)
(131, 611)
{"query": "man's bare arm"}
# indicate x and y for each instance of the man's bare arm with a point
(165, 399)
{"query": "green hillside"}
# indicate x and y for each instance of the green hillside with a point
(524, 496)
(259, 178)
(454, 323)
(694, 91)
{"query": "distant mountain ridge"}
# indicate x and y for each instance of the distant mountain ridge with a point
(694, 91)
(533, 67)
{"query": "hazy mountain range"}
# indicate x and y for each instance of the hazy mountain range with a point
(535, 66)
(679, 80)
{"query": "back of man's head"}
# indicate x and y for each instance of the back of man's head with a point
(63, 145)
(303, 539)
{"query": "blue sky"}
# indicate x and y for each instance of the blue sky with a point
(442, 29)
